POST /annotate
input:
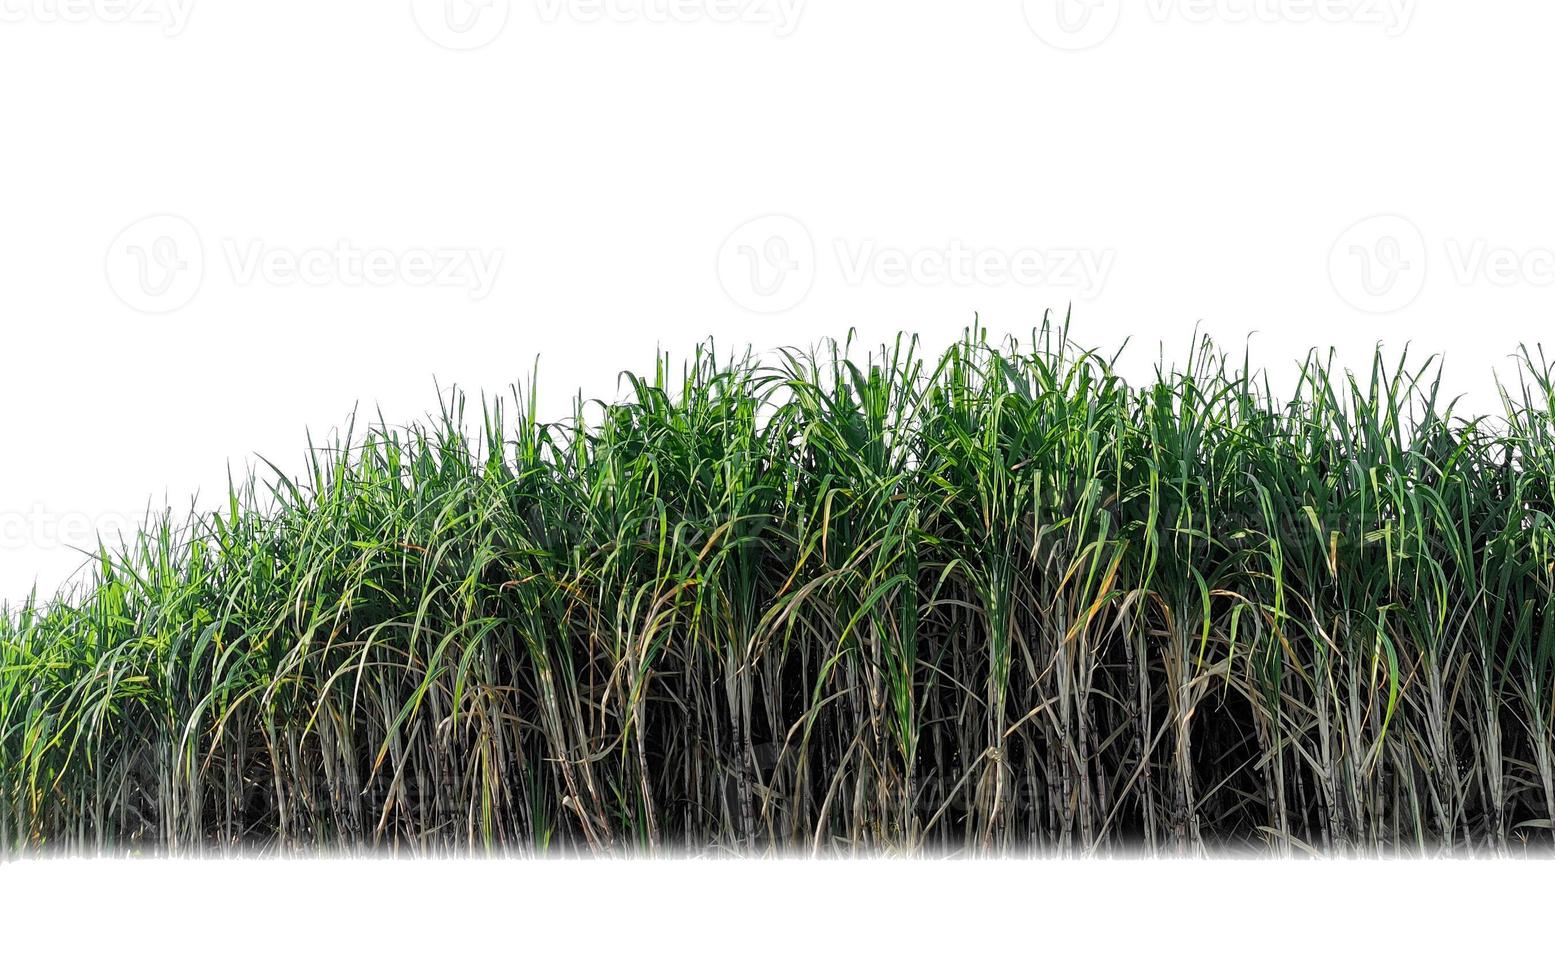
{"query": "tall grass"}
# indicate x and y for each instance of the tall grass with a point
(995, 602)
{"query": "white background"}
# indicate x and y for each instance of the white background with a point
(1208, 156)
(1215, 166)
(789, 920)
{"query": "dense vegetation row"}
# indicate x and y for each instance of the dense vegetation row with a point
(1001, 601)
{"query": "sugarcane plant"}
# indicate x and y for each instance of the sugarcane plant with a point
(999, 601)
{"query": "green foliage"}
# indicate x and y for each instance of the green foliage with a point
(1002, 601)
